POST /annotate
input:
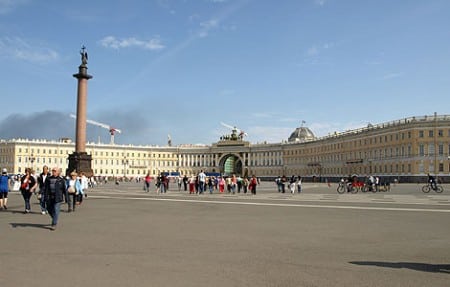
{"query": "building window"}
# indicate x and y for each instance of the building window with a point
(441, 149)
(420, 134)
(431, 149)
(431, 133)
(421, 150)
(440, 133)
(441, 167)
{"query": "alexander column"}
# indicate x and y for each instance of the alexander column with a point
(80, 161)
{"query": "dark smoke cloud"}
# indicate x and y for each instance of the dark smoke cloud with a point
(53, 125)
(42, 125)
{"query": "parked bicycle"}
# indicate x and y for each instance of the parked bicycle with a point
(436, 187)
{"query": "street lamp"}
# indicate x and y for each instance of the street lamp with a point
(125, 163)
(32, 159)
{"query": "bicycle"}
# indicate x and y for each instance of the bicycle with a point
(345, 187)
(369, 188)
(438, 188)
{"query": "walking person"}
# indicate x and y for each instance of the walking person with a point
(210, 184)
(221, 184)
(27, 186)
(179, 182)
(74, 190)
(185, 182)
(278, 183)
(41, 183)
(84, 186)
(158, 183)
(4, 189)
(162, 183)
(245, 183)
(228, 181)
(292, 182)
(54, 190)
(239, 183)
(299, 184)
(192, 183)
(253, 184)
(283, 183)
(147, 181)
(201, 181)
(233, 183)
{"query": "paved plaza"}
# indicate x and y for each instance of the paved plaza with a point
(123, 236)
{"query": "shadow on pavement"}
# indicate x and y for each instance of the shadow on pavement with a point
(425, 267)
(33, 225)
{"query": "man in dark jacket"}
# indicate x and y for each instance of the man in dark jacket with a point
(55, 187)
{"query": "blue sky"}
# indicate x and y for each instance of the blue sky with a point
(182, 67)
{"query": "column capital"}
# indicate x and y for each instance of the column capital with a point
(82, 73)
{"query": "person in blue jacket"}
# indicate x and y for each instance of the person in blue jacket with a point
(4, 189)
(74, 190)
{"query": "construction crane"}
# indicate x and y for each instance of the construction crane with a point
(112, 131)
(235, 132)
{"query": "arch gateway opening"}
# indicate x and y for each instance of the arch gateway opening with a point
(230, 164)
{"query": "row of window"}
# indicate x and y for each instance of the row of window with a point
(363, 142)
(375, 169)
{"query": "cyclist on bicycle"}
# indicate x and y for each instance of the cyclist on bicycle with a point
(432, 181)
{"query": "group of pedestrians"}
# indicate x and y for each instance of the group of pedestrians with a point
(232, 184)
(294, 183)
(202, 183)
(51, 188)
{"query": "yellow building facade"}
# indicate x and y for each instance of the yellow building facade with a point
(406, 149)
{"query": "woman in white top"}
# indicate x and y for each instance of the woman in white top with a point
(74, 190)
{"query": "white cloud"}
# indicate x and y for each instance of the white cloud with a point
(227, 92)
(261, 115)
(373, 62)
(21, 49)
(320, 2)
(115, 43)
(7, 6)
(312, 51)
(391, 76)
(207, 26)
(328, 128)
(276, 134)
(315, 50)
(259, 134)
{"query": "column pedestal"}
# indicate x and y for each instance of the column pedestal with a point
(80, 162)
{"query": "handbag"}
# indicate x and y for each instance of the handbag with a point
(71, 190)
